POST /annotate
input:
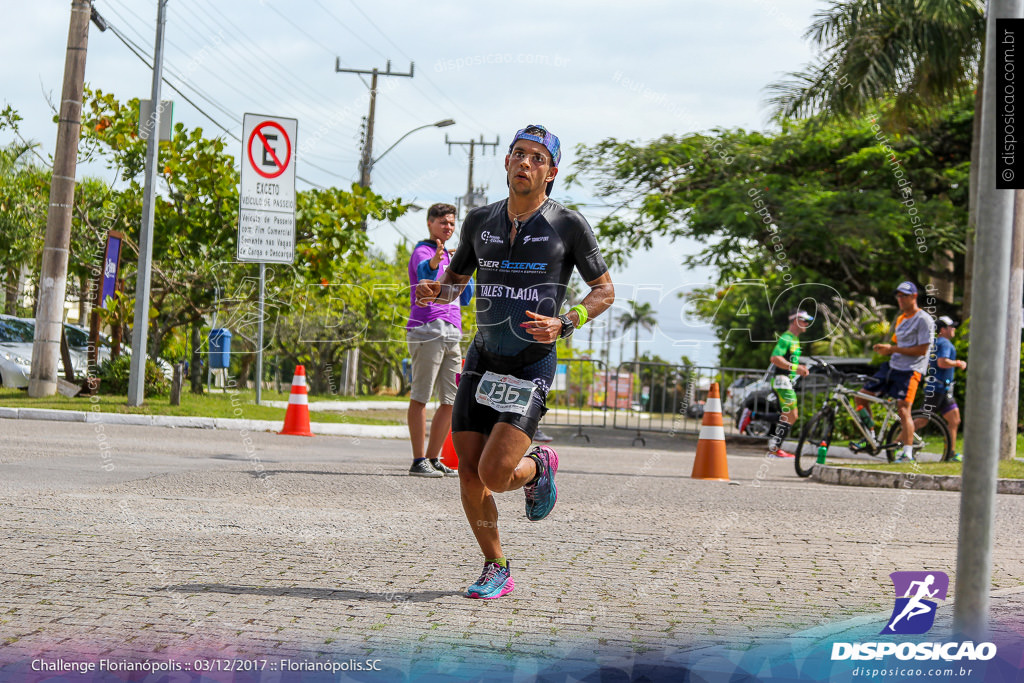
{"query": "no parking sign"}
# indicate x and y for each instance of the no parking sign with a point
(266, 213)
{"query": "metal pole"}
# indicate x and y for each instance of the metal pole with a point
(985, 379)
(213, 326)
(54, 268)
(1011, 392)
(469, 184)
(259, 336)
(140, 329)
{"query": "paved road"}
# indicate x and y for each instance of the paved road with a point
(140, 540)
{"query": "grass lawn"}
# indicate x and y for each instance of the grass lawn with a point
(237, 404)
(1008, 469)
(960, 444)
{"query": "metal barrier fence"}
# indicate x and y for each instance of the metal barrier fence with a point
(648, 397)
(571, 400)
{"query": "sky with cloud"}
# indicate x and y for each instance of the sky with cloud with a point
(587, 70)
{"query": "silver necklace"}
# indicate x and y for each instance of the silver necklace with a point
(515, 217)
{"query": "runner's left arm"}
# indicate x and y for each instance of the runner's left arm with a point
(602, 295)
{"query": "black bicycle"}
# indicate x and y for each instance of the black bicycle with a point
(931, 436)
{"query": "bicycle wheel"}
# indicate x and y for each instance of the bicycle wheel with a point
(817, 429)
(932, 442)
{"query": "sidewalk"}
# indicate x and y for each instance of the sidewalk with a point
(188, 543)
(345, 406)
(182, 422)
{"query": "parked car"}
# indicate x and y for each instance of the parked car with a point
(737, 391)
(17, 336)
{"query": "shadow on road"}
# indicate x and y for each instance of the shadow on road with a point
(310, 593)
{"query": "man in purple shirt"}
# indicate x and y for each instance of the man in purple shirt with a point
(433, 334)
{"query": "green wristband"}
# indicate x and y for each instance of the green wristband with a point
(581, 311)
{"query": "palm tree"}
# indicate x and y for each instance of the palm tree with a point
(638, 315)
(921, 53)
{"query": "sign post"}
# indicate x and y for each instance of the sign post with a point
(106, 287)
(266, 211)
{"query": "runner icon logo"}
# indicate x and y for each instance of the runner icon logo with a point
(916, 592)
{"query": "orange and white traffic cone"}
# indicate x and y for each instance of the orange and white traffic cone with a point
(710, 462)
(448, 455)
(296, 418)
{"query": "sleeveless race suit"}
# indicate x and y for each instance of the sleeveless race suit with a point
(788, 347)
(529, 275)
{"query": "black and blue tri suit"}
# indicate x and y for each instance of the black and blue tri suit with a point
(531, 274)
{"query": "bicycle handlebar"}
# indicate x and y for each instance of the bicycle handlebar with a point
(832, 371)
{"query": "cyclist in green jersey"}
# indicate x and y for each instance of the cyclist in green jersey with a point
(785, 368)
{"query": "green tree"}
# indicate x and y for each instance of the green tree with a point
(196, 227)
(812, 206)
(195, 209)
(24, 191)
(366, 307)
(920, 55)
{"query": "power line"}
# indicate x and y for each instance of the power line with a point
(350, 31)
(270, 69)
(217, 123)
(443, 94)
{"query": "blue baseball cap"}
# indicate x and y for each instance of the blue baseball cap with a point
(543, 136)
(906, 287)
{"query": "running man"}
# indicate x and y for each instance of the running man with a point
(914, 606)
(938, 389)
(523, 250)
(900, 376)
(785, 368)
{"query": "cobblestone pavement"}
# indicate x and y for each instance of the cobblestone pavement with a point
(151, 540)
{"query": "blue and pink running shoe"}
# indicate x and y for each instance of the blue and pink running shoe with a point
(495, 582)
(541, 494)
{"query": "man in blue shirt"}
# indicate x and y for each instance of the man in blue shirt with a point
(938, 391)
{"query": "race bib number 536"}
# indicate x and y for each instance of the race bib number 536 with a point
(505, 393)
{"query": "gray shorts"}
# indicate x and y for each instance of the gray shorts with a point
(436, 359)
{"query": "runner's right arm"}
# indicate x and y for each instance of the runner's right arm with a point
(782, 364)
(443, 291)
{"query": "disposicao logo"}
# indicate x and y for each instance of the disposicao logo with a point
(914, 611)
(913, 614)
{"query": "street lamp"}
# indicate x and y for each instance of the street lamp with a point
(368, 166)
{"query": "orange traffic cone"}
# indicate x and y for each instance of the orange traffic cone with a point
(448, 455)
(710, 462)
(296, 419)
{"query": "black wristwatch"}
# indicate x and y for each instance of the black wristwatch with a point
(567, 327)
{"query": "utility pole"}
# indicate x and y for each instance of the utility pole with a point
(472, 196)
(985, 380)
(366, 160)
(53, 274)
(351, 381)
(1011, 353)
(143, 277)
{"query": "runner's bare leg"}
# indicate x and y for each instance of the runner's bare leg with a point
(486, 465)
